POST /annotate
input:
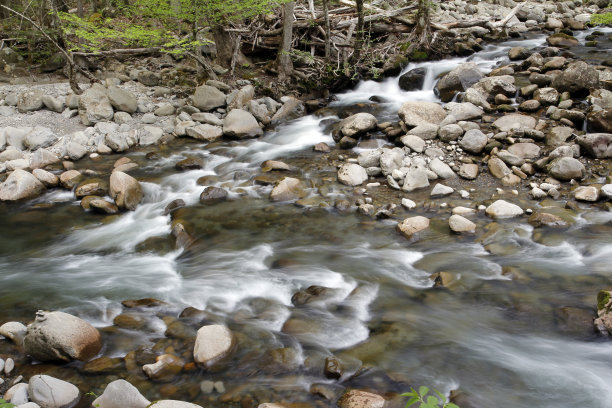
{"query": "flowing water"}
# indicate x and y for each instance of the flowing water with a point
(513, 328)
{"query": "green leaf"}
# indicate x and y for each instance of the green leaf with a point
(412, 401)
(451, 405)
(423, 390)
(408, 394)
(442, 396)
(432, 400)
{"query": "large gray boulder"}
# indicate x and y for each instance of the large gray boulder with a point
(598, 145)
(39, 137)
(566, 169)
(122, 100)
(413, 80)
(577, 77)
(121, 394)
(458, 80)
(240, 99)
(352, 174)
(292, 109)
(125, 190)
(205, 132)
(421, 113)
(514, 121)
(240, 124)
(15, 331)
(473, 141)
(94, 106)
(30, 101)
(415, 179)
(50, 392)
(464, 111)
(212, 343)
(390, 160)
(208, 98)
(357, 124)
(490, 86)
(150, 135)
(59, 336)
(20, 185)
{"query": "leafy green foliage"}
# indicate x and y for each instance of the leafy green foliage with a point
(603, 18)
(4, 404)
(154, 23)
(427, 401)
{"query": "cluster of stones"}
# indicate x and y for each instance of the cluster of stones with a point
(58, 337)
(118, 120)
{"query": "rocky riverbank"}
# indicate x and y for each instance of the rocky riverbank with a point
(530, 139)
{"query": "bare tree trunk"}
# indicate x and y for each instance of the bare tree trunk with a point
(224, 44)
(359, 36)
(327, 29)
(285, 66)
(80, 9)
(422, 28)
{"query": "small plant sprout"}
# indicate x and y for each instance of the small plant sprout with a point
(427, 401)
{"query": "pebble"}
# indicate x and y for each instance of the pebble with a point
(9, 366)
(408, 204)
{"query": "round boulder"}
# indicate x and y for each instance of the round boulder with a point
(566, 169)
(503, 209)
(59, 336)
(49, 392)
(21, 185)
(473, 141)
(413, 80)
(352, 174)
(208, 98)
(458, 80)
(125, 190)
(421, 113)
(240, 124)
(357, 124)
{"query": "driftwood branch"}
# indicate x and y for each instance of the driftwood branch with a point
(505, 20)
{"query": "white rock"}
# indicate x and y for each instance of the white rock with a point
(121, 394)
(49, 392)
(586, 193)
(369, 158)
(412, 225)
(415, 178)
(173, 404)
(357, 124)
(212, 343)
(459, 224)
(408, 204)
(463, 211)
(503, 209)
(17, 394)
(352, 174)
(440, 190)
(9, 365)
(538, 193)
(415, 143)
(606, 191)
(441, 169)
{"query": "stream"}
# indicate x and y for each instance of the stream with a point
(512, 330)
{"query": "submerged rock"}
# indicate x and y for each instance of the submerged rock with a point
(288, 189)
(212, 343)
